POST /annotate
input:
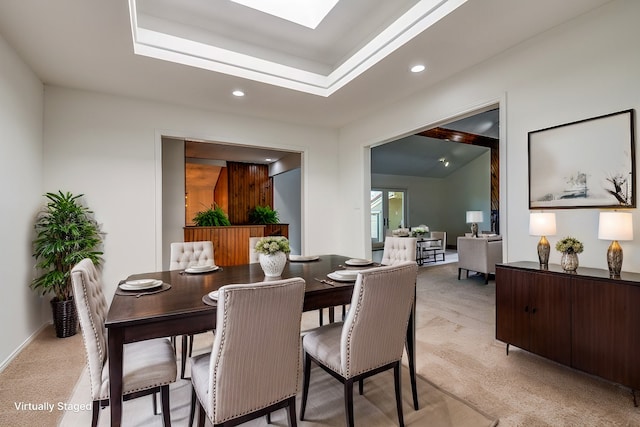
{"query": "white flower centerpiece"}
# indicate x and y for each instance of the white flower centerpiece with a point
(273, 252)
(419, 231)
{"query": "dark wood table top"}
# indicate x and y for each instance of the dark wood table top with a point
(187, 290)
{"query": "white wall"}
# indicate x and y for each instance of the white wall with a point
(109, 148)
(287, 202)
(584, 68)
(22, 311)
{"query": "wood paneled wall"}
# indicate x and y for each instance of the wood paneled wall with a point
(249, 185)
(231, 244)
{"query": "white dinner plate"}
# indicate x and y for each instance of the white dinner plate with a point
(197, 269)
(341, 278)
(140, 283)
(150, 284)
(213, 295)
(303, 258)
(352, 274)
(358, 262)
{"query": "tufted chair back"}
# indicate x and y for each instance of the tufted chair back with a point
(398, 249)
(92, 310)
(187, 254)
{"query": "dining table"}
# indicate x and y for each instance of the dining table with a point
(182, 307)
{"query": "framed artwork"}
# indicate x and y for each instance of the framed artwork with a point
(590, 163)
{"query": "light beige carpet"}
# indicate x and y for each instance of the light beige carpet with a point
(38, 382)
(325, 407)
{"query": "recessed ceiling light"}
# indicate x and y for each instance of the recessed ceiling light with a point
(417, 68)
(268, 159)
(238, 93)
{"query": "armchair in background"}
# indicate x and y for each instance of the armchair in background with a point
(479, 254)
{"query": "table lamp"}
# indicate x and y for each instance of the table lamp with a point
(542, 224)
(615, 226)
(474, 217)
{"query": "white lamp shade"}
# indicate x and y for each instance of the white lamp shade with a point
(474, 216)
(542, 224)
(615, 226)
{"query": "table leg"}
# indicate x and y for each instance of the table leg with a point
(411, 352)
(116, 352)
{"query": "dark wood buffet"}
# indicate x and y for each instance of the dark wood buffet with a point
(584, 320)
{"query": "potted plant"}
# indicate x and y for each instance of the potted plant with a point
(263, 215)
(66, 233)
(273, 252)
(570, 248)
(212, 217)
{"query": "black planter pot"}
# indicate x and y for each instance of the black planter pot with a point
(65, 317)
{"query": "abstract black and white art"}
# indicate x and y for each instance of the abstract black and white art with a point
(585, 164)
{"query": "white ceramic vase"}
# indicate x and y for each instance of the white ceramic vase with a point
(273, 264)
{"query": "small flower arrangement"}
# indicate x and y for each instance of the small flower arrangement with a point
(273, 244)
(419, 231)
(569, 245)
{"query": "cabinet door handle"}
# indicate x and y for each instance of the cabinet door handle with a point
(534, 310)
(526, 308)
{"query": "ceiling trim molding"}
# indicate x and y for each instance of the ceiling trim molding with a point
(180, 50)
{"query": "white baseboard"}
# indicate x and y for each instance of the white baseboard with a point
(26, 342)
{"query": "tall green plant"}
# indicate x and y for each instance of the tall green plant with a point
(66, 233)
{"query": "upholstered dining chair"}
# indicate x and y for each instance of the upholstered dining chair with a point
(254, 256)
(148, 366)
(441, 244)
(184, 255)
(188, 254)
(398, 249)
(253, 366)
(372, 337)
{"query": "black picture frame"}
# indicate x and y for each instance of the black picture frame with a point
(589, 163)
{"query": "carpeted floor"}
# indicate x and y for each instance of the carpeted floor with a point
(457, 352)
(43, 373)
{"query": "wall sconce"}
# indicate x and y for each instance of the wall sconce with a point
(542, 224)
(474, 217)
(615, 226)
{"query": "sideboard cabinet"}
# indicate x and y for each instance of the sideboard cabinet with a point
(584, 320)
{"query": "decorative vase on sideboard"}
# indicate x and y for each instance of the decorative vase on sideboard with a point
(569, 262)
(273, 264)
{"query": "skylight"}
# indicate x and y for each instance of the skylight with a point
(303, 12)
(163, 42)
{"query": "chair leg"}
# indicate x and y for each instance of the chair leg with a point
(166, 407)
(190, 345)
(94, 413)
(459, 271)
(268, 417)
(361, 386)
(396, 377)
(192, 410)
(320, 317)
(155, 403)
(486, 278)
(305, 384)
(291, 412)
(348, 401)
(201, 415)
